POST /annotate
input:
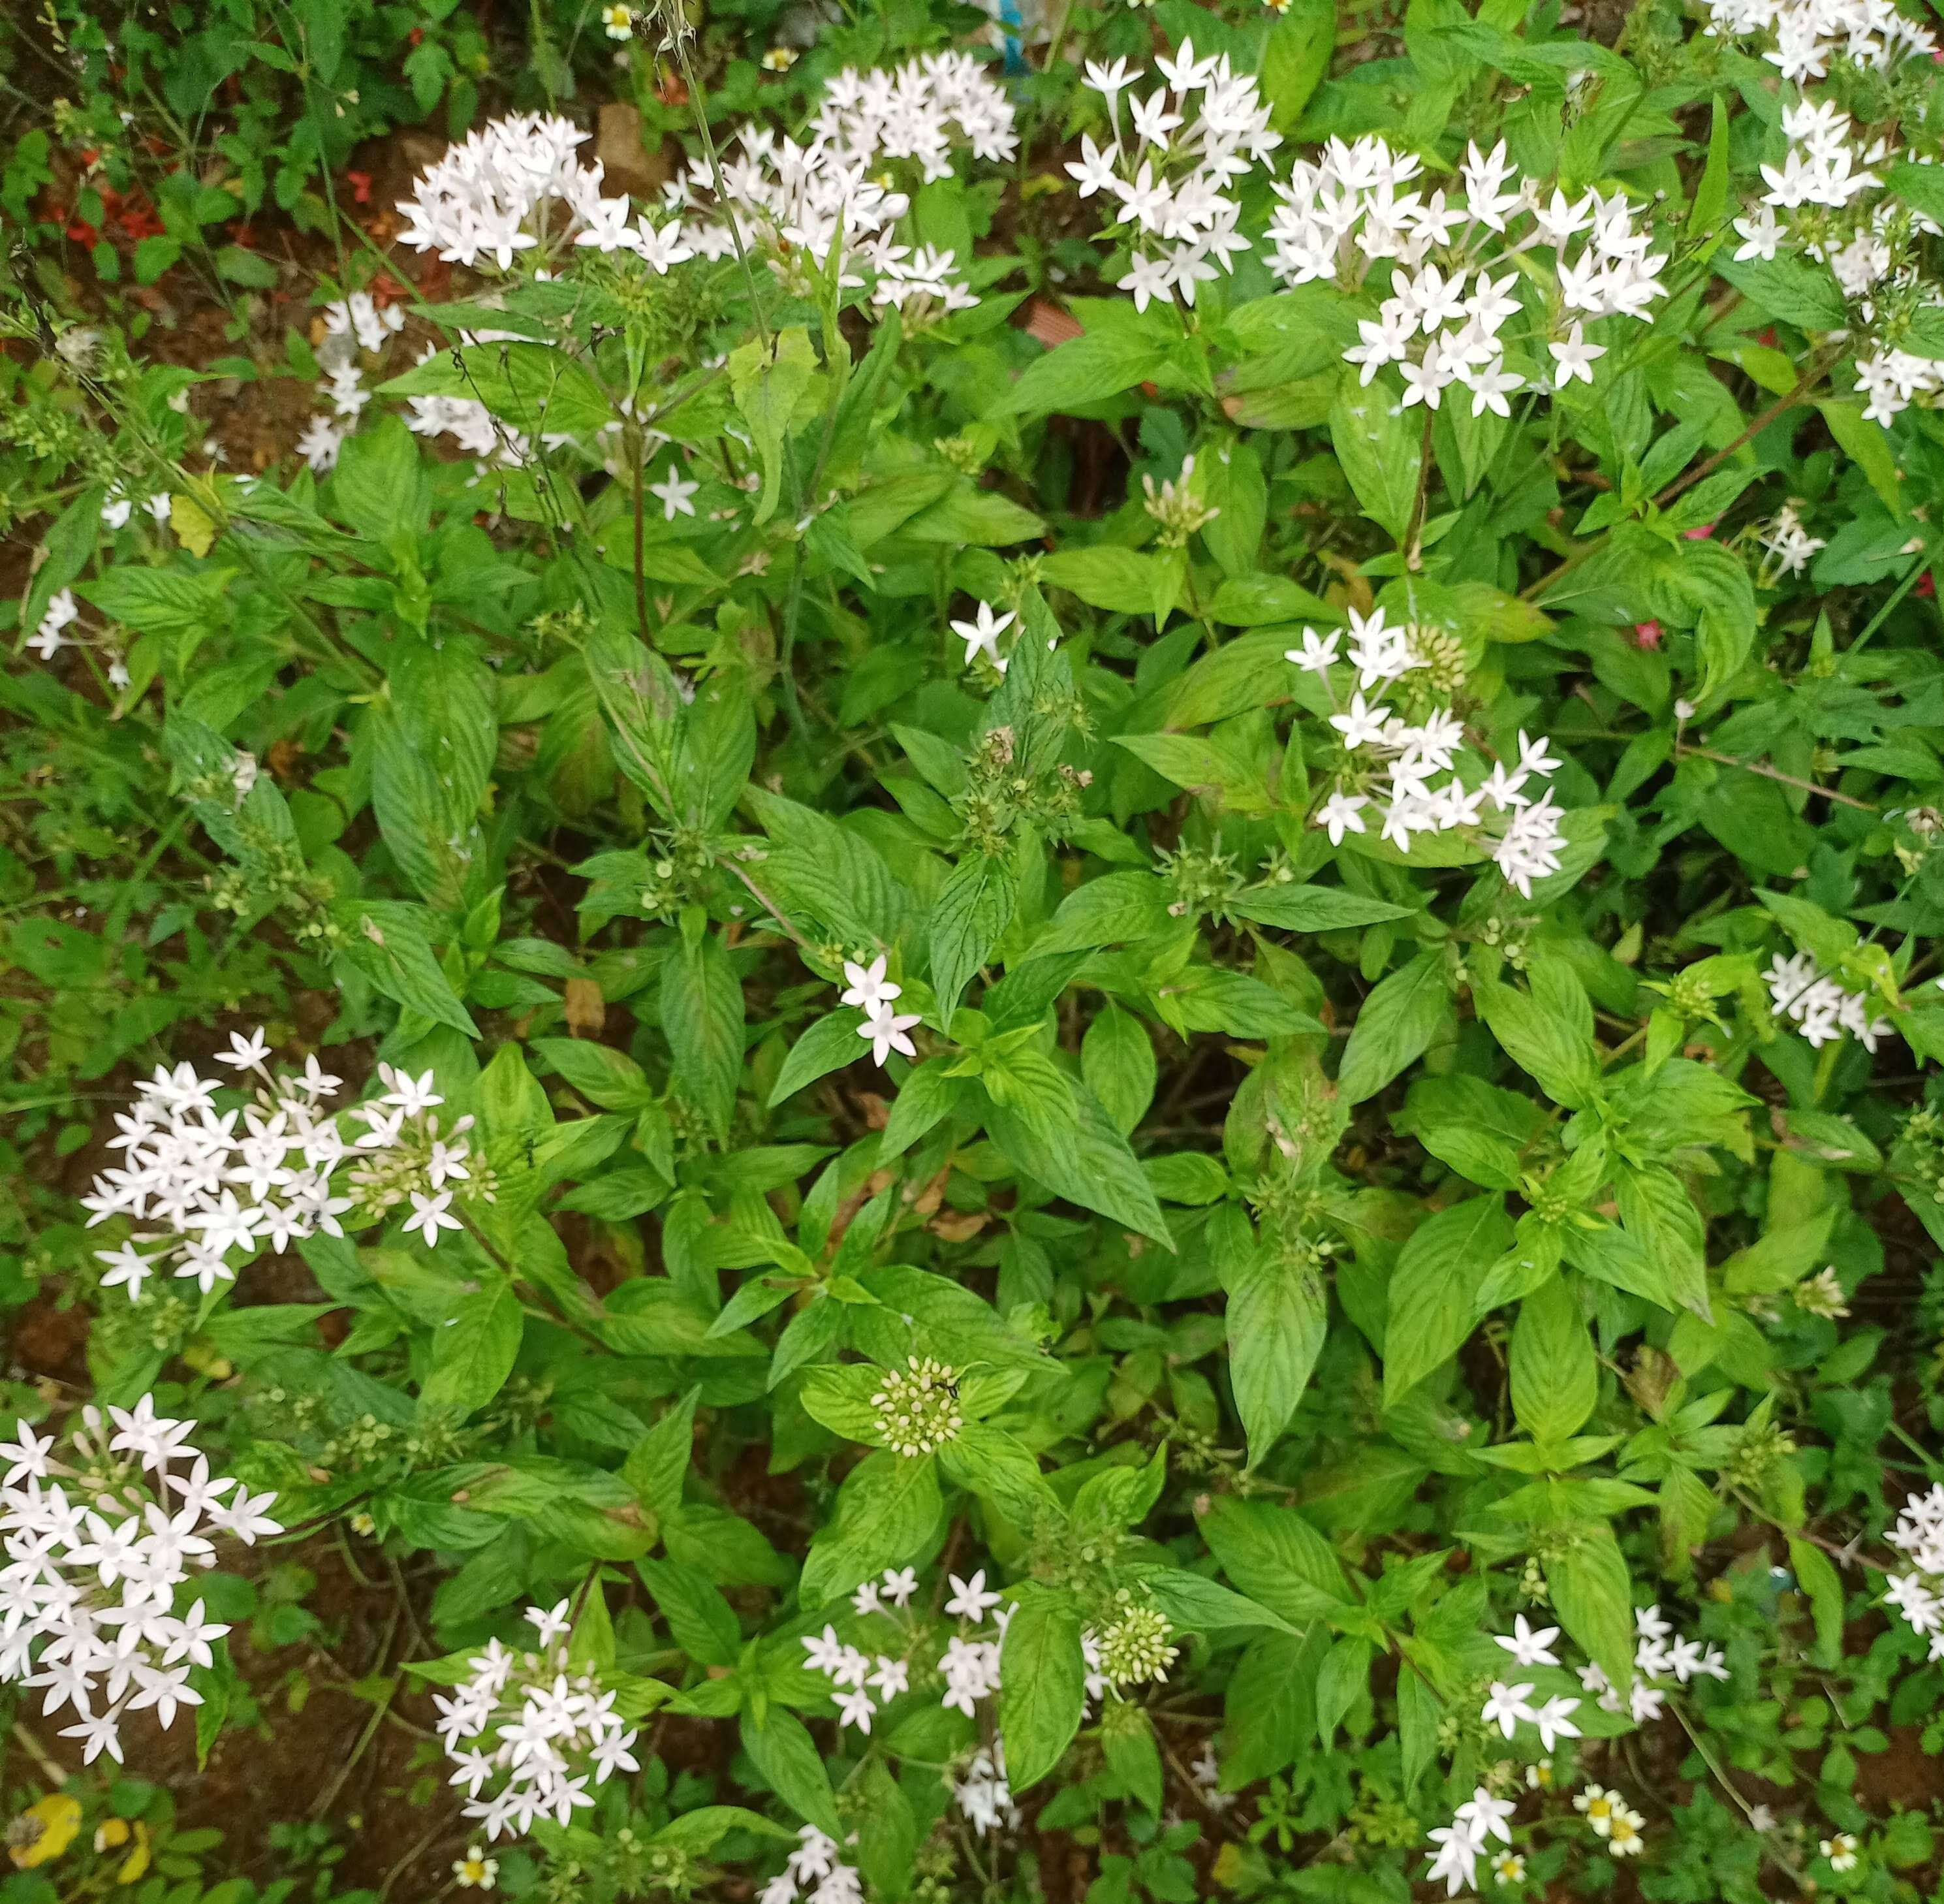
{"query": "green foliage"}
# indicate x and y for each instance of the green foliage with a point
(979, 1120)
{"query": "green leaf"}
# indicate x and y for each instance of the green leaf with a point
(1791, 288)
(1116, 1059)
(535, 387)
(384, 940)
(702, 1018)
(1110, 910)
(968, 919)
(473, 1350)
(433, 754)
(1381, 450)
(1277, 1558)
(1084, 370)
(378, 487)
(703, 1624)
(928, 1096)
(999, 1467)
(1088, 1162)
(1555, 1374)
(1277, 1315)
(602, 1075)
(887, 1833)
(1420, 1715)
(1297, 59)
(839, 1396)
(888, 1506)
(1547, 1031)
(1594, 1598)
(1271, 1705)
(1824, 1587)
(1194, 1604)
(1043, 1691)
(1201, 763)
(1711, 190)
(1313, 908)
(160, 601)
(829, 1045)
(1123, 581)
(787, 1759)
(658, 1463)
(1343, 1679)
(1659, 1215)
(1394, 1025)
(769, 379)
(1919, 185)
(1434, 1291)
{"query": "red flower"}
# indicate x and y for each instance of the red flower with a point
(1647, 634)
(360, 186)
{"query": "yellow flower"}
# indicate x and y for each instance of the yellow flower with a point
(1509, 1868)
(779, 59)
(136, 1863)
(44, 1830)
(1538, 1777)
(1623, 1836)
(475, 1871)
(1841, 1850)
(1600, 1806)
(110, 1834)
(619, 21)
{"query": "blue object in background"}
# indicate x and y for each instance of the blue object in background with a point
(1009, 18)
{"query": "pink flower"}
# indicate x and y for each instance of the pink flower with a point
(1647, 634)
(1700, 535)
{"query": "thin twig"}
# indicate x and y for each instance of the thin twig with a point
(1775, 774)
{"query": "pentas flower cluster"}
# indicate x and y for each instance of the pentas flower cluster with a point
(1411, 755)
(1819, 1007)
(1132, 1648)
(817, 1866)
(1790, 546)
(1660, 1654)
(98, 1546)
(1169, 166)
(855, 1676)
(1807, 34)
(118, 506)
(862, 1683)
(225, 1185)
(61, 615)
(358, 323)
(1918, 1595)
(515, 185)
(1480, 1820)
(1507, 1707)
(920, 111)
(536, 1731)
(791, 202)
(1827, 199)
(870, 989)
(1456, 281)
(917, 1406)
(51, 636)
(984, 1794)
(790, 205)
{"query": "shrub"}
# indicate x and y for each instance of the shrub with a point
(1069, 951)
